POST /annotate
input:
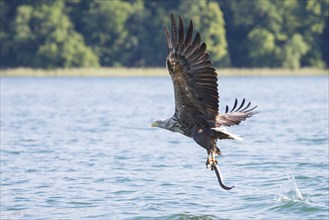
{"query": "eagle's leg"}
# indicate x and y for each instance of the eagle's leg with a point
(211, 160)
(212, 163)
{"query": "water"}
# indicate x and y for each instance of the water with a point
(84, 149)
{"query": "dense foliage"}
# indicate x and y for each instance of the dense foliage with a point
(89, 33)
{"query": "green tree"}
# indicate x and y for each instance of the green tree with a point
(261, 47)
(7, 14)
(240, 19)
(258, 33)
(43, 36)
(208, 19)
(105, 29)
(315, 16)
(292, 52)
(325, 43)
(294, 24)
(152, 40)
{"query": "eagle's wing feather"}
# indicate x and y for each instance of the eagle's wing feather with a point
(194, 79)
(235, 115)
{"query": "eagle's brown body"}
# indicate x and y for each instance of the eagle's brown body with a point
(196, 93)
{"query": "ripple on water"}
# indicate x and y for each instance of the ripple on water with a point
(83, 148)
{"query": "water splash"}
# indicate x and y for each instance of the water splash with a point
(289, 191)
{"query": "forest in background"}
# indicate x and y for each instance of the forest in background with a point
(129, 33)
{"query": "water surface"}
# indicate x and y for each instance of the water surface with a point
(83, 148)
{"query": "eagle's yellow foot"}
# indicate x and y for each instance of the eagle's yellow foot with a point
(210, 163)
(211, 160)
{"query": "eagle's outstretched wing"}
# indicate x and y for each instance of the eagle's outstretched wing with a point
(235, 115)
(193, 77)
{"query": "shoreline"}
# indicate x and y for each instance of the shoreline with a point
(154, 72)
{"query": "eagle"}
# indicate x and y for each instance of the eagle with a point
(196, 95)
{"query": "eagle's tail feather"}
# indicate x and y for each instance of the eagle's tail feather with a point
(223, 133)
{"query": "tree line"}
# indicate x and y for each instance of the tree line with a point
(92, 33)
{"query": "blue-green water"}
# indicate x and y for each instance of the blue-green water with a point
(84, 148)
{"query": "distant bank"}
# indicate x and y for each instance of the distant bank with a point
(152, 72)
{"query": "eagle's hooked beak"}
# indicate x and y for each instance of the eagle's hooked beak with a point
(154, 124)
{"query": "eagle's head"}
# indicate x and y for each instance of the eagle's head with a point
(159, 124)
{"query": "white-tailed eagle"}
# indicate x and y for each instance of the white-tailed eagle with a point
(196, 95)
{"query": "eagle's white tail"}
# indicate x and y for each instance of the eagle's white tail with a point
(224, 131)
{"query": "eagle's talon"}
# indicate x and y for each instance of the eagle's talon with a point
(211, 163)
